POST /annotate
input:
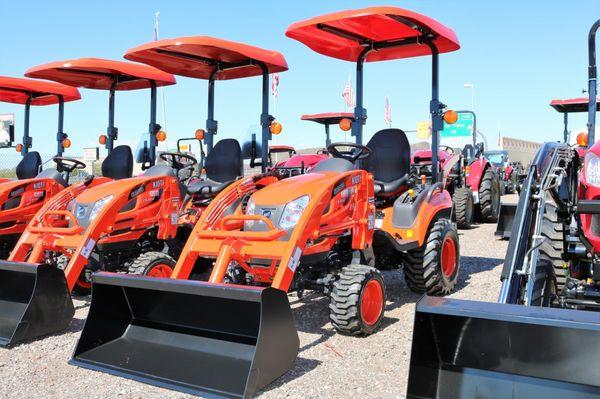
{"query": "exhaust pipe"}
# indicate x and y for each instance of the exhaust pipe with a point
(505, 220)
(200, 338)
(468, 349)
(34, 301)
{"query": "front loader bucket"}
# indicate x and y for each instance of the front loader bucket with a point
(34, 301)
(208, 339)
(505, 220)
(467, 349)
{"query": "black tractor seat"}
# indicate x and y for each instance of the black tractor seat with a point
(118, 164)
(54, 175)
(390, 162)
(29, 166)
(223, 165)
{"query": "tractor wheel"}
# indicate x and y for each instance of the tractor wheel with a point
(489, 197)
(552, 246)
(153, 264)
(357, 300)
(83, 285)
(433, 268)
(544, 285)
(463, 207)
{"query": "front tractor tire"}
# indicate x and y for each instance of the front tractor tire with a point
(463, 207)
(83, 285)
(357, 300)
(489, 196)
(433, 268)
(153, 264)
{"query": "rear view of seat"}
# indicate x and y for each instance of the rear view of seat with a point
(119, 163)
(30, 166)
(223, 165)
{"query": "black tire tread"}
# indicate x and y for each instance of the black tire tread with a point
(462, 200)
(422, 271)
(344, 306)
(485, 196)
(141, 263)
(552, 247)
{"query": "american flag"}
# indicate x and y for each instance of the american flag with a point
(275, 85)
(348, 95)
(387, 113)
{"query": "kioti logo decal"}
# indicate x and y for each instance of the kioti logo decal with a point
(266, 213)
(39, 185)
(158, 183)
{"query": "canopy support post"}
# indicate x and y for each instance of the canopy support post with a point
(593, 76)
(360, 113)
(60, 135)
(27, 141)
(154, 127)
(265, 118)
(435, 109)
(327, 138)
(111, 131)
(211, 124)
(566, 131)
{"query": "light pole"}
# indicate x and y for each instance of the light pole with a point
(472, 87)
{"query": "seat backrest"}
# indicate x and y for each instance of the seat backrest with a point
(468, 152)
(119, 163)
(224, 162)
(30, 165)
(391, 155)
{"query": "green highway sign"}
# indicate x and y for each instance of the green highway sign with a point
(463, 126)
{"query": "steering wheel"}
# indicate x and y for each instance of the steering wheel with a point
(355, 153)
(449, 150)
(68, 164)
(174, 160)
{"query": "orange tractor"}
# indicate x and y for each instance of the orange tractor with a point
(266, 236)
(121, 225)
(22, 198)
(61, 233)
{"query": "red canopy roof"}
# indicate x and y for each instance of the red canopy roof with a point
(328, 118)
(573, 105)
(345, 34)
(199, 56)
(18, 90)
(97, 73)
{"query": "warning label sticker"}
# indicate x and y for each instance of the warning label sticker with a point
(295, 261)
(87, 249)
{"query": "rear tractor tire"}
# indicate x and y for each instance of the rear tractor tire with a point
(153, 264)
(489, 196)
(433, 268)
(464, 208)
(357, 300)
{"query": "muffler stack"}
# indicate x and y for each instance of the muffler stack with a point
(505, 220)
(467, 349)
(34, 301)
(222, 340)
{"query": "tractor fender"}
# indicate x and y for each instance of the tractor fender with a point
(476, 172)
(410, 222)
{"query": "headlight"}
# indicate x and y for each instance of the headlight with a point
(592, 169)
(250, 210)
(98, 206)
(292, 212)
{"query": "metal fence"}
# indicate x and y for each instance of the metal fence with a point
(9, 162)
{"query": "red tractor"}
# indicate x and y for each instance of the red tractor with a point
(472, 179)
(541, 340)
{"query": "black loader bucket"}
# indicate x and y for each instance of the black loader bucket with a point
(505, 220)
(209, 339)
(467, 349)
(34, 301)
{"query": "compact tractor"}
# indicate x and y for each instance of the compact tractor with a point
(20, 199)
(123, 225)
(59, 243)
(541, 340)
(265, 236)
(472, 179)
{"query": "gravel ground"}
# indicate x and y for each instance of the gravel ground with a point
(328, 364)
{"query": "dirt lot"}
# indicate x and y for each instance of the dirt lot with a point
(328, 365)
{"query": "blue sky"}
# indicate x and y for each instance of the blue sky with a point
(518, 54)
